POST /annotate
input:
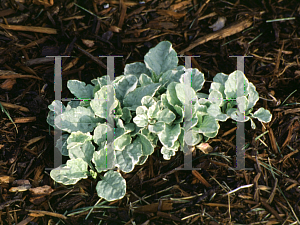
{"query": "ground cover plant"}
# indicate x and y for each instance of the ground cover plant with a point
(148, 107)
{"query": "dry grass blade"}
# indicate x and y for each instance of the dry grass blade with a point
(7, 114)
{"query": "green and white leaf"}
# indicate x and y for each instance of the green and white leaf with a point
(231, 85)
(133, 99)
(148, 149)
(77, 119)
(136, 69)
(196, 77)
(211, 135)
(72, 104)
(242, 104)
(63, 150)
(99, 160)
(153, 111)
(215, 111)
(209, 125)
(102, 81)
(84, 150)
(70, 173)
(148, 101)
(127, 158)
(169, 135)
(202, 95)
(157, 127)
(169, 152)
(121, 142)
(100, 133)
(161, 58)
(142, 160)
(145, 80)
(218, 87)
(50, 119)
(166, 116)
(220, 78)
(93, 174)
(203, 101)
(57, 104)
(263, 115)
(171, 76)
(253, 126)
(80, 89)
(188, 124)
(253, 96)
(76, 138)
(216, 97)
(125, 85)
(192, 137)
(166, 103)
(141, 120)
(100, 104)
(129, 127)
(126, 115)
(112, 186)
(200, 108)
(172, 95)
(152, 137)
(179, 114)
(236, 115)
(182, 90)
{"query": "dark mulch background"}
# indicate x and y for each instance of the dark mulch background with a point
(156, 193)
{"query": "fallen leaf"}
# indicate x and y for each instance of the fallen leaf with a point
(8, 84)
(205, 148)
(88, 43)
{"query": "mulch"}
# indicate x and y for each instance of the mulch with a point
(266, 31)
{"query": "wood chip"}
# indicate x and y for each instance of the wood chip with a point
(238, 206)
(200, 178)
(271, 210)
(175, 15)
(6, 179)
(228, 31)
(44, 30)
(13, 106)
(6, 12)
(34, 140)
(123, 14)
(7, 74)
(24, 119)
(165, 206)
(44, 190)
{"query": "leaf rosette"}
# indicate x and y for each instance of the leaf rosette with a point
(155, 103)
